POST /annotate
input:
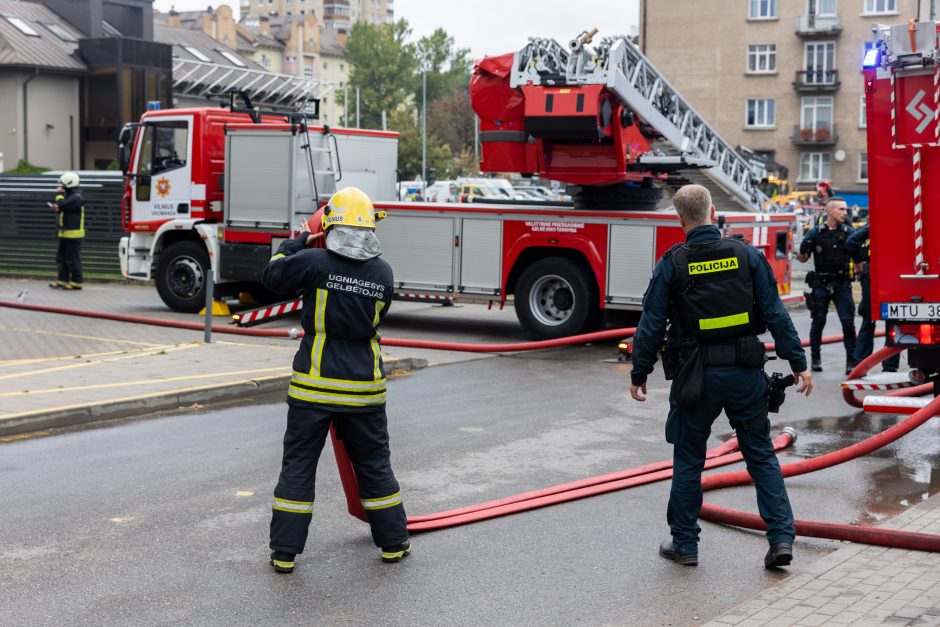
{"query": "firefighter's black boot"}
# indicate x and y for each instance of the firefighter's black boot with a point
(850, 363)
(392, 554)
(282, 562)
(816, 363)
(780, 554)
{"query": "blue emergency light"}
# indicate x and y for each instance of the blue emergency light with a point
(871, 59)
(153, 105)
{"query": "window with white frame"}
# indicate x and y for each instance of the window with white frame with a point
(762, 9)
(308, 73)
(816, 113)
(761, 113)
(814, 166)
(231, 56)
(874, 7)
(761, 58)
(819, 61)
(21, 25)
(196, 52)
(862, 166)
(862, 118)
(822, 7)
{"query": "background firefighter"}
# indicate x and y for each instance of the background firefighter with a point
(70, 207)
(338, 375)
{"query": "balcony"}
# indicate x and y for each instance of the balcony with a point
(812, 25)
(822, 135)
(817, 80)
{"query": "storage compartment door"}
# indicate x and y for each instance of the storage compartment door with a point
(259, 179)
(480, 256)
(420, 251)
(630, 263)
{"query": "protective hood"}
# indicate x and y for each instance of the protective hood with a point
(353, 242)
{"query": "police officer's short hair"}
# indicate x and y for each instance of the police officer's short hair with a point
(693, 203)
(836, 199)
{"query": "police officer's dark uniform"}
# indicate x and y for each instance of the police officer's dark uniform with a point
(831, 281)
(717, 295)
(71, 231)
(338, 378)
(858, 247)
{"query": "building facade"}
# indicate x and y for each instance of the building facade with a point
(781, 77)
(338, 14)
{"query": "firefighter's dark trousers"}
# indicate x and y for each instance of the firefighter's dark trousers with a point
(838, 291)
(365, 436)
(69, 259)
(741, 393)
(865, 343)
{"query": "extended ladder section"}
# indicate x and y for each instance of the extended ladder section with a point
(676, 129)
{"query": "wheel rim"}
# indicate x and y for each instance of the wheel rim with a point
(185, 277)
(551, 300)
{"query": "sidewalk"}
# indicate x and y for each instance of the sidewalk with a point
(856, 585)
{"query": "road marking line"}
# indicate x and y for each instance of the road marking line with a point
(23, 362)
(139, 397)
(99, 386)
(24, 436)
(78, 335)
(152, 351)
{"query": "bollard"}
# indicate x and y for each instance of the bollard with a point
(210, 288)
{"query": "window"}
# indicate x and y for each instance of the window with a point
(231, 56)
(874, 7)
(862, 119)
(760, 113)
(21, 25)
(196, 52)
(265, 61)
(59, 32)
(862, 167)
(308, 73)
(762, 9)
(816, 113)
(163, 147)
(341, 68)
(324, 65)
(819, 61)
(814, 166)
(762, 58)
(822, 7)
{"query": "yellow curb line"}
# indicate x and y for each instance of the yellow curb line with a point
(83, 337)
(153, 351)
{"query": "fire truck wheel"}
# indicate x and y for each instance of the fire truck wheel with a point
(181, 276)
(555, 297)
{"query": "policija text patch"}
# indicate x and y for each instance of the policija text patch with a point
(716, 265)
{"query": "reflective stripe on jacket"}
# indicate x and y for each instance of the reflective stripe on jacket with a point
(71, 221)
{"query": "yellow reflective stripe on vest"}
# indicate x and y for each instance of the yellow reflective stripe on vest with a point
(339, 384)
(376, 350)
(277, 256)
(715, 265)
(336, 398)
(294, 507)
(73, 233)
(319, 331)
(382, 503)
(706, 324)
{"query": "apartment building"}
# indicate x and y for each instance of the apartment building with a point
(781, 77)
(336, 14)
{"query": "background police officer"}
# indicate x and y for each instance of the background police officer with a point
(830, 280)
(70, 207)
(858, 247)
(716, 294)
(338, 376)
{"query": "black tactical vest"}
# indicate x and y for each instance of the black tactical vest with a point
(712, 291)
(830, 256)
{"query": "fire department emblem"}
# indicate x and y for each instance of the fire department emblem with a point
(163, 187)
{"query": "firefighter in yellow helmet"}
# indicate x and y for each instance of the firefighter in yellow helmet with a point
(338, 376)
(70, 207)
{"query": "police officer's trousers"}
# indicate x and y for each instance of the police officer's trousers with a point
(741, 393)
(69, 260)
(838, 291)
(365, 436)
(865, 343)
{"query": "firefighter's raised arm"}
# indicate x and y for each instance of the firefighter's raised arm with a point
(287, 272)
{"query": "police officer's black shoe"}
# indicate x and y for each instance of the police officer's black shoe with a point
(670, 553)
(816, 363)
(850, 363)
(780, 554)
(392, 554)
(282, 562)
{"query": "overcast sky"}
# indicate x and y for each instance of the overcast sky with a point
(493, 26)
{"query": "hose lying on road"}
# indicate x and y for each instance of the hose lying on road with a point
(867, 364)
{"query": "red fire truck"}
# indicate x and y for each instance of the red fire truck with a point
(245, 182)
(902, 89)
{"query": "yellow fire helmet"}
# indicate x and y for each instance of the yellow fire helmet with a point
(350, 206)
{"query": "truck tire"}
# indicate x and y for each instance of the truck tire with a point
(181, 276)
(556, 297)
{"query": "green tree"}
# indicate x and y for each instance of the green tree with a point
(382, 66)
(447, 66)
(439, 154)
(451, 119)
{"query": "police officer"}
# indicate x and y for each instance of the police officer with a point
(338, 375)
(717, 295)
(70, 205)
(858, 246)
(831, 280)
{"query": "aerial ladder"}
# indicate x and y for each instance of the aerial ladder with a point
(603, 120)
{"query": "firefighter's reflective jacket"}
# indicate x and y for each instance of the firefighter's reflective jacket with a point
(339, 363)
(71, 221)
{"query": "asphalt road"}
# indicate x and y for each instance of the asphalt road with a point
(164, 521)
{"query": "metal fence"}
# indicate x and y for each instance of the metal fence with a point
(28, 227)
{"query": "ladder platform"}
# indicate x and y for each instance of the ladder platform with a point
(895, 404)
(881, 381)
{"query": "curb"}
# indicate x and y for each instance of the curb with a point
(145, 404)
